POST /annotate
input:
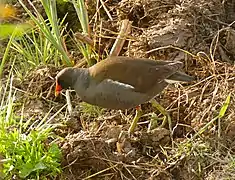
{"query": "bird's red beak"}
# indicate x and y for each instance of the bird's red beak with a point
(58, 89)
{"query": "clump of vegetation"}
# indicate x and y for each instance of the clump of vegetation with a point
(24, 146)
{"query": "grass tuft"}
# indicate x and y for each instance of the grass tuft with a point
(25, 150)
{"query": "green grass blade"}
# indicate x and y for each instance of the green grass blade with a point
(52, 35)
(6, 53)
(225, 106)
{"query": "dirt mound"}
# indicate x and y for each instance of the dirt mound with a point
(114, 156)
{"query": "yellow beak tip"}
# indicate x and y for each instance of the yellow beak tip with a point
(57, 93)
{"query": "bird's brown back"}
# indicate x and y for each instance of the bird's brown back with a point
(142, 74)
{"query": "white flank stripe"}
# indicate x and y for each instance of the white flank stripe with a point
(120, 83)
(171, 81)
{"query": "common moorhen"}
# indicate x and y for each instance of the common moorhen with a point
(120, 82)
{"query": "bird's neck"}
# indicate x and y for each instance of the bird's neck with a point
(82, 80)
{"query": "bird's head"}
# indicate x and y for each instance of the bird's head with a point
(64, 80)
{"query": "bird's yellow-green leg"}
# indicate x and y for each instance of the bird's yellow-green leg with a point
(138, 114)
(162, 110)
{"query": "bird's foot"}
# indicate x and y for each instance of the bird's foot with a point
(164, 112)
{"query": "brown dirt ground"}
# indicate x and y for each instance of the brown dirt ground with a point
(92, 145)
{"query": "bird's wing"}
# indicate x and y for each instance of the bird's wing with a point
(142, 74)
